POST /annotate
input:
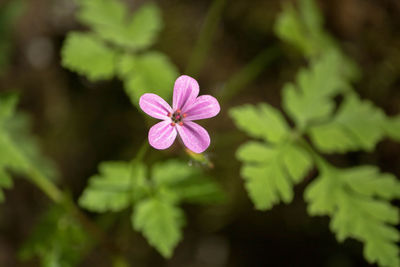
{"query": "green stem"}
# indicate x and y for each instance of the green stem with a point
(46, 186)
(248, 73)
(206, 37)
(60, 198)
(142, 151)
(319, 161)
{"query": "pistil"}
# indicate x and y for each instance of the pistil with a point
(177, 117)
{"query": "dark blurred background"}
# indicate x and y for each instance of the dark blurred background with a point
(80, 123)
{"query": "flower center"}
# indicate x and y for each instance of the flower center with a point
(177, 117)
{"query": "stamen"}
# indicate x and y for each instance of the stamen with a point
(178, 111)
(181, 124)
(178, 117)
(184, 115)
(172, 124)
(169, 114)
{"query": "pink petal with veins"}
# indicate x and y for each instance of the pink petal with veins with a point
(162, 135)
(186, 89)
(194, 136)
(204, 107)
(155, 106)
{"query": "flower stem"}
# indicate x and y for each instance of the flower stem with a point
(46, 185)
(142, 151)
(61, 198)
(248, 73)
(206, 37)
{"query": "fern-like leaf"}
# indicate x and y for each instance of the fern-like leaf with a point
(155, 201)
(57, 240)
(357, 125)
(272, 168)
(303, 29)
(160, 222)
(115, 188)
(357, 199)
(262, 121)
(271, 172)
(186, 183)
(309, 100)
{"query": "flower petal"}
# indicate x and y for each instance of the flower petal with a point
(194, 136)
(162, 135)
(204, 107)
(186, 89)
(155, 106)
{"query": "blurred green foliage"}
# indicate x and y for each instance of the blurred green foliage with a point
(58, 240)
(148, 72)
(310, 99)
(154, 198)
(20, 152)
(111, 21)
(303, 29)
(391, 126)
(355, 126)
(357, 199)
(280, 159)
(117, 45)
(87, 55)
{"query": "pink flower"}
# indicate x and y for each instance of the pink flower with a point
(186, 107)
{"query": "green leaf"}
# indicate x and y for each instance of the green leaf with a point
(391, 126)
(262, 121)
(115, 188)
(304, 30)
(310, 99)
(357, 125)
(151, 72)
(357, 199)
(186, 183)
(160, 222)
(5, 179)
(172, 172)
(270, 172)
(289, 27)
(367, 180)
(121, 184)
(57, 240)
(87, 55)
(199, 189)
(110, 20)
(26, 147)
(311, 16)
(107, 14)
(8, 103)
(10, 156)
(19, 151)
